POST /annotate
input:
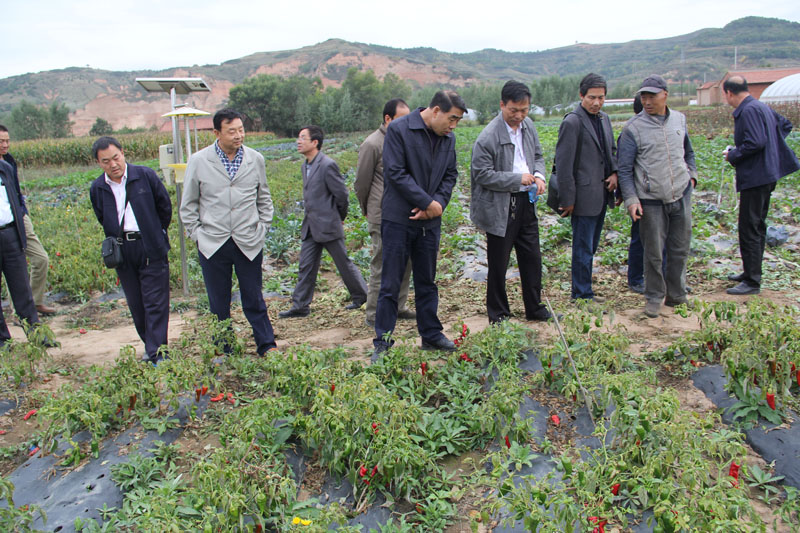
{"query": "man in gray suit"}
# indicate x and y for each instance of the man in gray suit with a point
(326, 200)
(507, 170)
(369, 190)
(227, 211)
(587, 178)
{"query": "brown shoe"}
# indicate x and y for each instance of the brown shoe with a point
(406, 314)
(43, 309)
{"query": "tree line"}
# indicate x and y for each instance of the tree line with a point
(285, 104)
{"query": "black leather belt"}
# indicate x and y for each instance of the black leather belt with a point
(131, 235)
(8, 226)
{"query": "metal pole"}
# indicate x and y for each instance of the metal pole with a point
(177, 152)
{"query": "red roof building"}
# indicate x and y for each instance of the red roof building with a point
(710, 93)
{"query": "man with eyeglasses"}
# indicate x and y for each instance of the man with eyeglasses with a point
(325, 201)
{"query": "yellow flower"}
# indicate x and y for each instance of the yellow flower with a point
(305, 522)
(296, 520)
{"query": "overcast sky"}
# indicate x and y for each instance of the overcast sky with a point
(146, 34)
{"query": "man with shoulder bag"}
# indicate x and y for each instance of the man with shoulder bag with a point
(133, 207)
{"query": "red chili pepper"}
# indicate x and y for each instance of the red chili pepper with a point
(555, 419)
(457, 342)
(465, 357)
(615, 489)
(798, 378)
(119, 409)
(219, 397)
(508, 443)
(204, 390)
(771, 400)
(82, 331)
(197, 393)
(638, 442)
(733, 471)
(231, 399)
(464, 330)
(366, 481)
(2, 431)
(424, 367)
(694, 363)
(258, 528)
(33, 452)
(29, 414)
(58, 254)
(333, 387)
(374, 471)
(362, 471)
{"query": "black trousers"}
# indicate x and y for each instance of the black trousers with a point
(522, 233)
(753, 210)
(146, 285)
(218, 275)
(401, 243)
(15, 270)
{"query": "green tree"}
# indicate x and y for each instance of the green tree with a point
(30, 121)
(274, 103)
(366, 96)
(101, 127)
(58, 122)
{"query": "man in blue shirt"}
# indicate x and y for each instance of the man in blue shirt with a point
(761, 157)
(419, 167)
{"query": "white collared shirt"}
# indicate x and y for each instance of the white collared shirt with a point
(520, 163)
(6, 214)
(120, 198)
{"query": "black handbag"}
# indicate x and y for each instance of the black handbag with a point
(111, 249)
(552, 183)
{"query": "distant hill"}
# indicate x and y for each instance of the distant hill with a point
(704, 54)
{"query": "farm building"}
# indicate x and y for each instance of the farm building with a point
(710, 93)
(784, 90)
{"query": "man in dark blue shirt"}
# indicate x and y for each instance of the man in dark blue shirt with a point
(419, 166)
(761, 157)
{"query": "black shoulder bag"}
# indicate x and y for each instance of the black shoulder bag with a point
(552, 183)
(111, 249)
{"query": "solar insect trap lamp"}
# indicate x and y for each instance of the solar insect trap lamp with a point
(175, 86)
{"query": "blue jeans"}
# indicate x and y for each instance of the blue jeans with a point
(401, 242)
(585, 239)
(218, 275)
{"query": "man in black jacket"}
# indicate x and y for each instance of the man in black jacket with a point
(12, 253)
(419, 171)
(761, 157)
(134, 197)
(587, 178)
(34, 251)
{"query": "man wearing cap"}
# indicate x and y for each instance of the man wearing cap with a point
(761, 157)
(657, 172)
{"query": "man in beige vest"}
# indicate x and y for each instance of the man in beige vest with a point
(369, 190)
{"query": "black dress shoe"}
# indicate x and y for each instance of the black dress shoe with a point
(542, 315)
(354, 305)
(743, 289)
(736, 277)
(406, 314)
(442, 343)
(638, 288)
(377, 353)
(291, 313)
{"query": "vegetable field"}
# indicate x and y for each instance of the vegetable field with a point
(607, 421)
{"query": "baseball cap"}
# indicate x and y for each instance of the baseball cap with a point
(653, 84)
